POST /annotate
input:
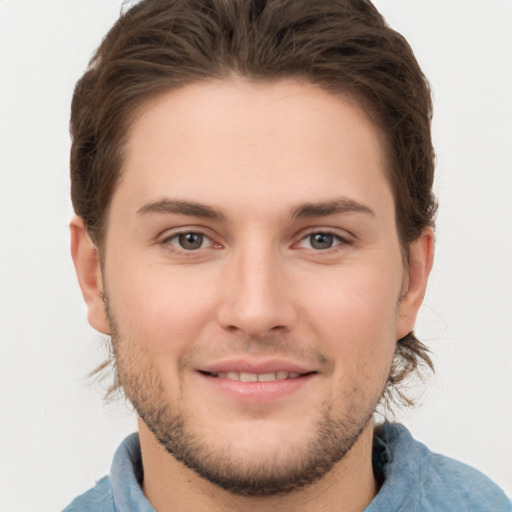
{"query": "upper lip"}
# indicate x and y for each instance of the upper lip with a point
(254, 366)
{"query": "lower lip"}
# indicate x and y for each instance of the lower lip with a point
(257, 392)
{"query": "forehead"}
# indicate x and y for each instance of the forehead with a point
(241, 142)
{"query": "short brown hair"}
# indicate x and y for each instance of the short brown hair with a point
(342, 46)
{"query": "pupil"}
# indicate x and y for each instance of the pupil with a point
(191, 241)
(321, 241)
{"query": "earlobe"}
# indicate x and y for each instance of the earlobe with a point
(88, 270)
(421, 258)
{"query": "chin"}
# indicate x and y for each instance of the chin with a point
(257, 457)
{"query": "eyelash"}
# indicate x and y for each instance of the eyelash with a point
(167, 241)
(338, 240)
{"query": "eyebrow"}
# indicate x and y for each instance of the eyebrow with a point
(306, 210)
(181, 208)
(325, 208)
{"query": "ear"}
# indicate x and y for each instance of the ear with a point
(421, 257)
(88, 271)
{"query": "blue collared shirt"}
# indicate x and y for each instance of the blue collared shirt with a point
(415, 480)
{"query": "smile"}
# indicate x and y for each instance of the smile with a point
(256, 377)
(254, 388)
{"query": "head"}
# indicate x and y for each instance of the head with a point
(162, 54)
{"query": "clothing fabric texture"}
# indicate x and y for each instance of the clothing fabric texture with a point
(414, 480)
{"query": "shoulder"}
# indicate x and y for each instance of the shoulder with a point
(121, 490)
(449, 482)
(423, 481)
(97, 499)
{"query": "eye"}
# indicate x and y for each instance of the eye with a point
(321, 241)
(190, 241)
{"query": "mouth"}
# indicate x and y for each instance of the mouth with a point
(256, 382)
(257, 377)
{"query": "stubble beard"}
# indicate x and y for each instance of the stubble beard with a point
(331, 438)
(331, 441)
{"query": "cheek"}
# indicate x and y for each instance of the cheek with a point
(354, 315)
(159, 306)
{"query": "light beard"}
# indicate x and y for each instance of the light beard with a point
(226, 469)
(330, 440)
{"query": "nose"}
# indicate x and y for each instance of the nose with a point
(256, 297)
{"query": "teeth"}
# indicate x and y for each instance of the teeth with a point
(266, 377)
(248, 377)
(256, 377)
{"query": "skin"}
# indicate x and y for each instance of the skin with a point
(260, 287)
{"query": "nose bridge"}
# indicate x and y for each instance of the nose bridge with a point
(256, 299)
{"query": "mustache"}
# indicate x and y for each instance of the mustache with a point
(270, 345)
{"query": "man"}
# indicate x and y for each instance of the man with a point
(253, 189)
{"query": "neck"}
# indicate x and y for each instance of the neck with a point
(171, 487)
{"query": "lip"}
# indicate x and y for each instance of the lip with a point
(260, 392)
(256, 366)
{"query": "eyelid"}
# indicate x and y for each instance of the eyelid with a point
(342, 236)
(165, 238)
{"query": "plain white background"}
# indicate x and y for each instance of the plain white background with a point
(57, 437)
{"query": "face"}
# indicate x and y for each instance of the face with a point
(253, 278)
